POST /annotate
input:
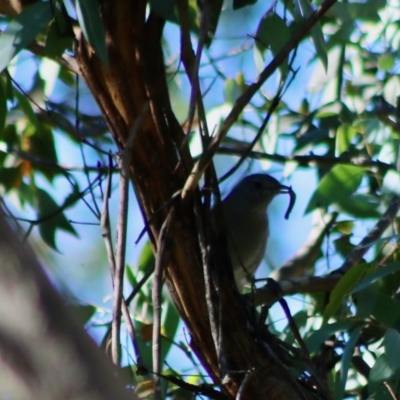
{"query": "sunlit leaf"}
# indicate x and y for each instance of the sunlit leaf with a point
(345, 227)
(344, 136)
(386, 62)
(339, 183)
(146, 258)
(232, 91)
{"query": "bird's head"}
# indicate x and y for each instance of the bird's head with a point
(257, 191)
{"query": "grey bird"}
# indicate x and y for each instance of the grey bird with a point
(246, 221)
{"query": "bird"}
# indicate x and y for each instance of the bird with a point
(245, 215)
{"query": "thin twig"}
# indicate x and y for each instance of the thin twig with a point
(106, 232)
(274, 104)
(376, 232)
(77, 128)
(244, 99)
(118, 279)
(120, 248)
(162, 259)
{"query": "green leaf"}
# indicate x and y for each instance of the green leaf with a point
(26, 107)
(56, 42)
(3, 107)
(273, 34)
(343, 245)
(130, 276)
(237, 4)
(170, 323)
(51, 218)
(346, 227)
(311, 138)
(338, 184)
(213, 13)
(89, 19)
(386, 62)
(11, 178)
(146, 258)
(314, 341)
(344, 135)
(387, 310)
(232, 91)
(360, 205)
(345, 363)
(316, 33)
(381, 371)
(22, 30)
(60, 34)
(344, 287)
(166, 9)
(367, 11)
(391, 341)
(376, 275)
(72, 198)
(366, 300)
(39, 142)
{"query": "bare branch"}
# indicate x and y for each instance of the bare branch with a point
(245, 98)
(162, 260)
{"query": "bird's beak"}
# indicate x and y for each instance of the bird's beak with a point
(288, 189)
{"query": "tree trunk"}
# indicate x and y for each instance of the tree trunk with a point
(134, 85)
